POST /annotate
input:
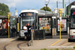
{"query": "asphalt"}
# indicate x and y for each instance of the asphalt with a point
(49, 43)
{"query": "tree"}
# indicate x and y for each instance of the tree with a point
(14, 21)
(44, 8)
(4, 9)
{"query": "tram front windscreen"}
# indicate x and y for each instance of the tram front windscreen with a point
(25, 19)
(73, 21)
(72, 18)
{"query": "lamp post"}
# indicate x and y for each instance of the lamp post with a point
(46, 3)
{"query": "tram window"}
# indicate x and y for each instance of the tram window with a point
(25, 21)
(73, 21)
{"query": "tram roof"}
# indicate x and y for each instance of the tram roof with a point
(40, 12)
(29, 11)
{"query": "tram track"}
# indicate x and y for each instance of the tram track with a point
(18, 45)
(11, 45)
(5, 46)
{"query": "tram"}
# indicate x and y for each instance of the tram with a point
(72, 24)
(38, 18)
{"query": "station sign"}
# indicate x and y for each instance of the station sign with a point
(62, 10)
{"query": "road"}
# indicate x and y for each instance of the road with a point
(11, 43)
(21, 44)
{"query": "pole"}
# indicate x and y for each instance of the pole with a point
(57, 4)
(57, 8)
(60, 21)
(8, 27)
(32, 31)
(63, 7)
(63, 3)
(69, 10)
(46, 7)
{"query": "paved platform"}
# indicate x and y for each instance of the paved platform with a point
(46, 43)
(49, 43)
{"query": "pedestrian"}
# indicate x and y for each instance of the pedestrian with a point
(25, 31)
(32, 27)
(13, 32)
(29, 31)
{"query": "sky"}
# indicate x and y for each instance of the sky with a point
(31, 4)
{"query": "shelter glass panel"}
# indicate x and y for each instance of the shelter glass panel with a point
(45, 24)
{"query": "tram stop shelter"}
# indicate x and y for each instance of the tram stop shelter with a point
(4, 25)
(44, 26)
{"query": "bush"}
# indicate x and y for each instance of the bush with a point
(74, 47)
(56, 49)
(44, 49)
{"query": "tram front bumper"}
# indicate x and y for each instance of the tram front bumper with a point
(72, 37)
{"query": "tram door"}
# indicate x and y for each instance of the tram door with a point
(45, 23)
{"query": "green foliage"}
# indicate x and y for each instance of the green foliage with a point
(56, 49)
(44, 49)
(46, 9)
(37, 49)
(41, 49)
(4, 9)
(14, 21)
(29, 49)
(74, 47)
(69, 48)
(51, 49)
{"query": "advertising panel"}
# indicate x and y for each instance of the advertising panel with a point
(4, 24)
(0, 24)
(45, 24)
(63, 25)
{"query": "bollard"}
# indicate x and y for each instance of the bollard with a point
(32, 31)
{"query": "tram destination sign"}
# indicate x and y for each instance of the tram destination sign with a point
(26, 14)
